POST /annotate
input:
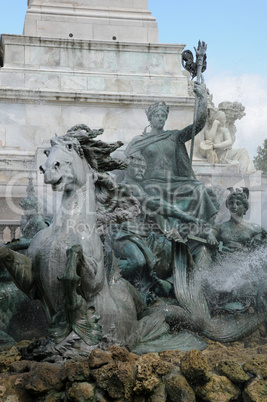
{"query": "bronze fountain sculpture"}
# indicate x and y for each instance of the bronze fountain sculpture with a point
(64, 265)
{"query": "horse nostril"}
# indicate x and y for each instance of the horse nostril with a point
(56, 165)
(42, 170)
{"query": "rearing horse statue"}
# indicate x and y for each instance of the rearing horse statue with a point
(72, 245)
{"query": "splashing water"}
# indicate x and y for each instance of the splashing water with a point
(237, 277)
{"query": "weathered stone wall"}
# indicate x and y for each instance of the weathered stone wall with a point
(47, 85)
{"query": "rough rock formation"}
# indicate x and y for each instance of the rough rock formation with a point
(229, 372)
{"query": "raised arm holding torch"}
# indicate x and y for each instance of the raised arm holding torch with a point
(195, 70)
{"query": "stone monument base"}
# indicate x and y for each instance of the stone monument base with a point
(222, 176)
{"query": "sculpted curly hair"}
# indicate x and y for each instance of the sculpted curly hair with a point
(241, 194)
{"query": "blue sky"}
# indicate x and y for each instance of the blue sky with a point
(236, 34)
(234, 30)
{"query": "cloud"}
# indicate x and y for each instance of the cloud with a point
(251, 91)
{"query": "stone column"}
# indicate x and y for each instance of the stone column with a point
(108, 20)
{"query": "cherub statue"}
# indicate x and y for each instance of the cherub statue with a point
(217, 138)
(220, 135)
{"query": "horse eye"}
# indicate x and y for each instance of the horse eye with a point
(69, 147)
(46, 152)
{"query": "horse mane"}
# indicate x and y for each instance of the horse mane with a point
(96, 152)
(115, 202)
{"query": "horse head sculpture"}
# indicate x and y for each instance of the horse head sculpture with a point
(65, 159)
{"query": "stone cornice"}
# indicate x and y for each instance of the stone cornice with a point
(45, 96)
(93, 12)
(22, 40)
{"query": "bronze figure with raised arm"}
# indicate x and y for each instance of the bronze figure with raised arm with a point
(169, 173)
